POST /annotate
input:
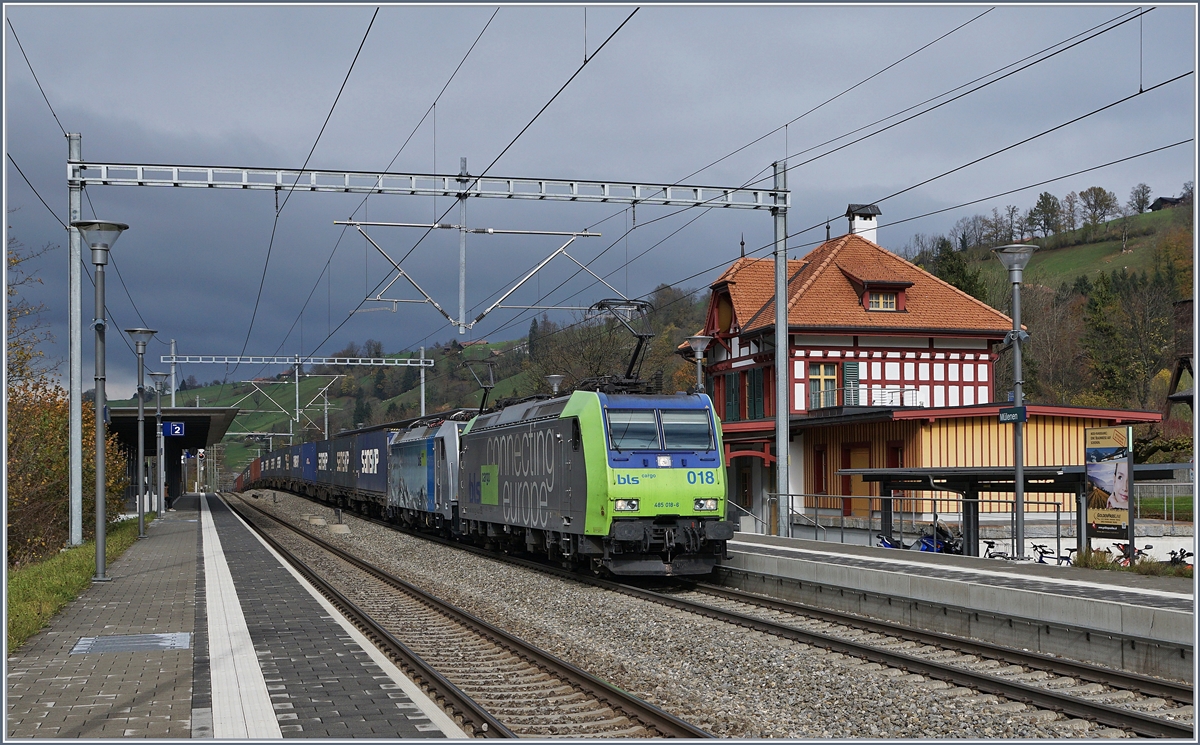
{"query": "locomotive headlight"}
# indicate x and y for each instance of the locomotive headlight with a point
(705, 505)
(664, 461)
(628, 505)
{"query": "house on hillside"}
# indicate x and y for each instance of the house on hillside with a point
(1165, 203)
(889, 366)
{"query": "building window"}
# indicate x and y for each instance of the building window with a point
(754, 394)
(732, 398)
(822, 380)
(882, 301)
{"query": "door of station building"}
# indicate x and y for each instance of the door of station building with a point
(860, 457)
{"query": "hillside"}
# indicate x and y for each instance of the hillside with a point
(1152, 240)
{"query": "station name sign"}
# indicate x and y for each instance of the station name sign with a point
(1012, 414)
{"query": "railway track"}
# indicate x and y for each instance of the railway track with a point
(498, 685)
(1138, 704)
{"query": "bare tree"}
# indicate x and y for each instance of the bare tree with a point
(1070, 211)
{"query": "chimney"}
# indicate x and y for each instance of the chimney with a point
(862, 220)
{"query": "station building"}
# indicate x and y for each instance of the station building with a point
(889, 367)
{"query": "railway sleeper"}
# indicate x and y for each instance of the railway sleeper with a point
(534, 715)
(567, 728)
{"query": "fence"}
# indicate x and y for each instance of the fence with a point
(863, 395)
(948, 509)
(1170, 502)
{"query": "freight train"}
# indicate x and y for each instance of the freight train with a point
(622, 483)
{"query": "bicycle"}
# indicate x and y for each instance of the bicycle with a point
(1180, 558)
(1042, 553)
(1130, 554)
(991, 553)
(1067, 559)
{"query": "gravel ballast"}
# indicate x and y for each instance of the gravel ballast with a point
(731, 681)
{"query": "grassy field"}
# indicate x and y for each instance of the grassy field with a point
(37, 592)
(1052, 266)
(1166, 508)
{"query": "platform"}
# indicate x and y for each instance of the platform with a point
(1140, 623)
(204, 632)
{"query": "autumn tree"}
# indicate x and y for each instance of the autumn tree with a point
(1139, 199)
(1098, 203)
(38, 422)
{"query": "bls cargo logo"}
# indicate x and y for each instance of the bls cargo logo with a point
(623, 479)
(370, 460)
(322, 461)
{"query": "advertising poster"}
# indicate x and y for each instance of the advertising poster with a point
(411, 485)
(1109, 461)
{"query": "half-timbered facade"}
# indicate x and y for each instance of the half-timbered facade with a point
(888, 366)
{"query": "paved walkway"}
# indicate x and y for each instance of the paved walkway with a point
(203, 632)
(54, 693)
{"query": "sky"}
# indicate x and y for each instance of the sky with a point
(675, 89)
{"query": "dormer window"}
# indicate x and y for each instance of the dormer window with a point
(882, 301)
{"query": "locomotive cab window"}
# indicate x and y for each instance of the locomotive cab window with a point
(576, 435)
(687, 430)
(630, 429)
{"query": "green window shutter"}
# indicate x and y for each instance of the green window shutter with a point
(850, 383)
(731, 397)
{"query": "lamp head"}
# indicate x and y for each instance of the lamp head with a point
(159, 379)
(141, 337)
(555, 381)
(1015, 258)
(699, 343)
(100, 235)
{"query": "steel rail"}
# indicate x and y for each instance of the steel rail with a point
(434, 684)
(1143, 684)
(1111, 716)
(644, 713)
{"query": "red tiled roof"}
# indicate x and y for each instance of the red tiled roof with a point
(821, 295)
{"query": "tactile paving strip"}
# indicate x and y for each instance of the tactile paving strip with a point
(132, 643)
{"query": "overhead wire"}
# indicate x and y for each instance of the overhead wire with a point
(35, 77)
(54, 214)
(279, 208)
(113, 260)
(1028, 57)
(485, 171)
(771, 245)
(837, 96)
(432, 107)
(910, 108)
(628, 230)
(935, 107)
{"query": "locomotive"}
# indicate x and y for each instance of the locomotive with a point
(624, 483)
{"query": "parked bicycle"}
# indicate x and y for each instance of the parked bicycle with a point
(992, 553)
(1130, 554)
(1180, 558)
(1042, 552)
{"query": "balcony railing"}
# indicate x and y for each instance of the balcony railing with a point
(862, 395)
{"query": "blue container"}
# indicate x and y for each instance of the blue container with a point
(308, 462)
(370, 464)
(324, 467)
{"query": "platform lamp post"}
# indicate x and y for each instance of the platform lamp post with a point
(160, 505)
(555, 381)
(141, 337)
(1015, 258)
(100, 235)
(699, 343)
